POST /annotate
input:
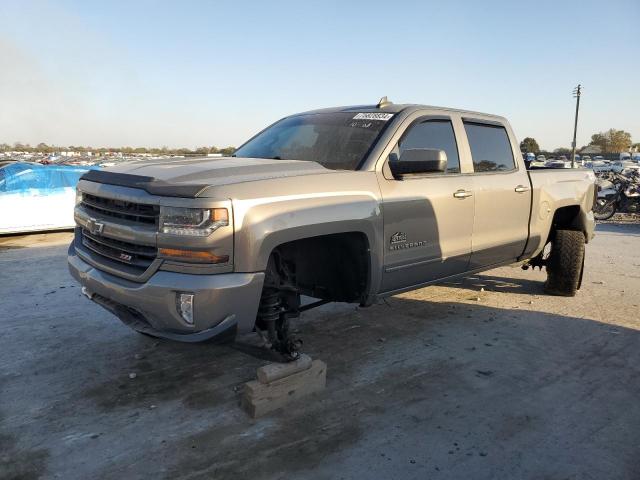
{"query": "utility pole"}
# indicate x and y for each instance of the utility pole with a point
(576, 94)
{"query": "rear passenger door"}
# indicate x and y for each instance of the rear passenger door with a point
(502, 195)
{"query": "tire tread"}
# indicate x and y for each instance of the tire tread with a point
(564, 268)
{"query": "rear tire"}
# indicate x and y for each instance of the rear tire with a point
(565, 263)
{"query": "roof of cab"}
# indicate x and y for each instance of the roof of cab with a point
(397, 108)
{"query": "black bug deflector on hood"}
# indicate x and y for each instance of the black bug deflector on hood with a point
(149, 184)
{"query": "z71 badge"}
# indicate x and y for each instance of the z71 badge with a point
(398, 237)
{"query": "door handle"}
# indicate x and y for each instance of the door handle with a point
(521, 189)
(462, 194)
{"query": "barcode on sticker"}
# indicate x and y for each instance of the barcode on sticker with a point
(373, 116)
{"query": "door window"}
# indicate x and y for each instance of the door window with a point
(490, 148)
(436, 134)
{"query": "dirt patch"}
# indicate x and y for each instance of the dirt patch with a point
(198, 375)
(623, 218)
(20, 463)
(300, 442)
(35, 240)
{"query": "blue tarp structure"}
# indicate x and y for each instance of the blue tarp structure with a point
(36, 197)
(34, 179)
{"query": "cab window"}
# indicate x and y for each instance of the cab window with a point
(490, 148)
(436, 134)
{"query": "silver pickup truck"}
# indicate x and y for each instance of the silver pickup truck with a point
(346, 204)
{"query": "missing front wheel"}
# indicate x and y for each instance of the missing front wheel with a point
(277, 309)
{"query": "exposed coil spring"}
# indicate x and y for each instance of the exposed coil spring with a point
(273, 318)
(269, 309)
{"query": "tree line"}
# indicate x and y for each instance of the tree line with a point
(49, 149)
(611, 141)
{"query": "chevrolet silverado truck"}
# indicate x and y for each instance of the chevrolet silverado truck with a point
(347, 204)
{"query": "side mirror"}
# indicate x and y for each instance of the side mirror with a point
(419, 160)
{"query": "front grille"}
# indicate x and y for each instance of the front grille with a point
(134, 212)
(139, 257)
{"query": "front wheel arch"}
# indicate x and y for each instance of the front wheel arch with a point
(334, 267)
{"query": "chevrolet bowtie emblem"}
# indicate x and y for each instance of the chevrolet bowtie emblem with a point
(95, 227)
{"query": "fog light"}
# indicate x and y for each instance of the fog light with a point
(184, 304)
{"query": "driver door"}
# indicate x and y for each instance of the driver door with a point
(428, 219)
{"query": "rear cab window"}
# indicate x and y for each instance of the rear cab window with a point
(490, 147)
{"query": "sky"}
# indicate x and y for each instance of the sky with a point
(195, 73)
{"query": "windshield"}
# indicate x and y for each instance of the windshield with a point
(338, 141)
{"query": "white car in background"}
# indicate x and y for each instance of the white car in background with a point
(556, 163)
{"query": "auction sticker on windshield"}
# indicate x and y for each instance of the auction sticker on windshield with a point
(373, 116)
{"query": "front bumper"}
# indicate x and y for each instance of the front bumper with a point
(221, 301)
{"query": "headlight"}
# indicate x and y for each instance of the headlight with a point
(78, 197)
(195, 222)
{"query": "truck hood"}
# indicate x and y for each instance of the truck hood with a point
(218, 171)
(189, 177)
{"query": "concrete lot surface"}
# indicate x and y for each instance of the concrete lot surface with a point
(483, 379)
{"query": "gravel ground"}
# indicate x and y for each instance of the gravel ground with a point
(487, 378)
